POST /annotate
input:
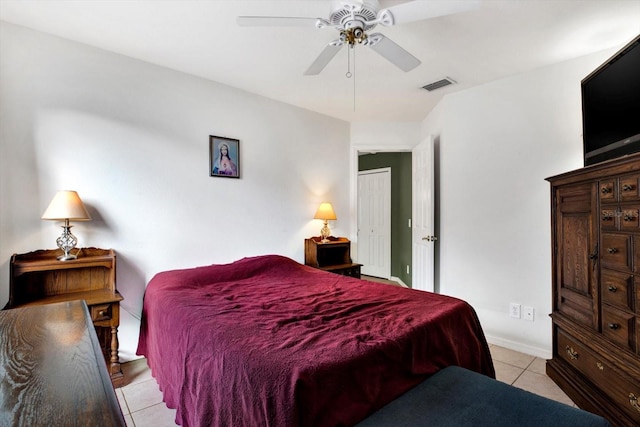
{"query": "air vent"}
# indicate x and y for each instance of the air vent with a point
(438, 84)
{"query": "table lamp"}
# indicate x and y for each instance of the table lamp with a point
(325, 212)
(66, 205)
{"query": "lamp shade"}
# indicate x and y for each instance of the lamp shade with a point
(325, 212)
(66, 205)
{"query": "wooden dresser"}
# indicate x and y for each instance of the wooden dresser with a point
(595, 217)
(51, 369)
(333, 256)
(39, 278)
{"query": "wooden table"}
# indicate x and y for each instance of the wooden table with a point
(52, 371)
(38, 278)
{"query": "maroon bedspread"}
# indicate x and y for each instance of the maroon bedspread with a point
(265, 341)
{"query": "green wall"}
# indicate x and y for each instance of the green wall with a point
(400, 164)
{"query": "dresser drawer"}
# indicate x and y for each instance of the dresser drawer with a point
(635, 239)
(609, 218)
(629, 187)
(617, 289)
(607, 190)
(615, 251)
(101, 312)
(624, 218)
(619, 326)
(574, 352)
(629, 218)
(619, 387)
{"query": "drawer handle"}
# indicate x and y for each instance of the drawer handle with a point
(612, 250)
(573, 355)
(629, 217)
(605, 190)
(612, 288)
(600, 366)
(633, 400)
(607, 215)
(627, 187)
(614, 326)
(102, 313)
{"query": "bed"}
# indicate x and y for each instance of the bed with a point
(266, 341)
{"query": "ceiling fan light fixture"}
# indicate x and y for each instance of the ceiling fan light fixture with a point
(439, 84)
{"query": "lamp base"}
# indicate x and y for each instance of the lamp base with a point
(325, 233)
(66, 242)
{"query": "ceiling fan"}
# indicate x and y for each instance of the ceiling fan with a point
(353, 19)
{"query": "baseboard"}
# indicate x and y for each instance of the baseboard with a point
(399, 280)
(542, 353)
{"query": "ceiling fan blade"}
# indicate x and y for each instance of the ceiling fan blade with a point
(278, 21)
(418, 10)
(324, 58)
(393, 52)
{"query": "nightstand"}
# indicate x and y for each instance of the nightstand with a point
(333, 256)
(38, 278)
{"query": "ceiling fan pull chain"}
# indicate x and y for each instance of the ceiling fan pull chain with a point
(354, 80)
(348, 74)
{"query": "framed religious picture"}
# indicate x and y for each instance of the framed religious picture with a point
(224, 157)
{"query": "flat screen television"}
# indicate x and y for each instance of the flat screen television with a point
(611, 107)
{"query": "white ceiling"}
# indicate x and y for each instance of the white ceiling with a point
(500, 38)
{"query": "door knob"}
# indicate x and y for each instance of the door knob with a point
(430, 238)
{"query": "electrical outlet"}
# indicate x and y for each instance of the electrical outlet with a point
(408, 269)
(514, 310)
(528, 313)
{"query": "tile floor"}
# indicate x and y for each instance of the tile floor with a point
(141, 400)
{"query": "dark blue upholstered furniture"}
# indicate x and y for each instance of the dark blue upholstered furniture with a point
(458, 397)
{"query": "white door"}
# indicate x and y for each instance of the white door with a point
(374, 222)
(423, 207)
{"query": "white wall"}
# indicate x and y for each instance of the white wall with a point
(132, 138)
(497, 144)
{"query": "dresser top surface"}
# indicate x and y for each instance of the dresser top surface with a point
(52, 368)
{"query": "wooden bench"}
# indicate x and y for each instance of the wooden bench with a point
(458, 397)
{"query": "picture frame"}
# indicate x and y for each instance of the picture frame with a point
(221, 164)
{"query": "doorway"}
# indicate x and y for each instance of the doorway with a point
(399, 162)
(374, 222)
